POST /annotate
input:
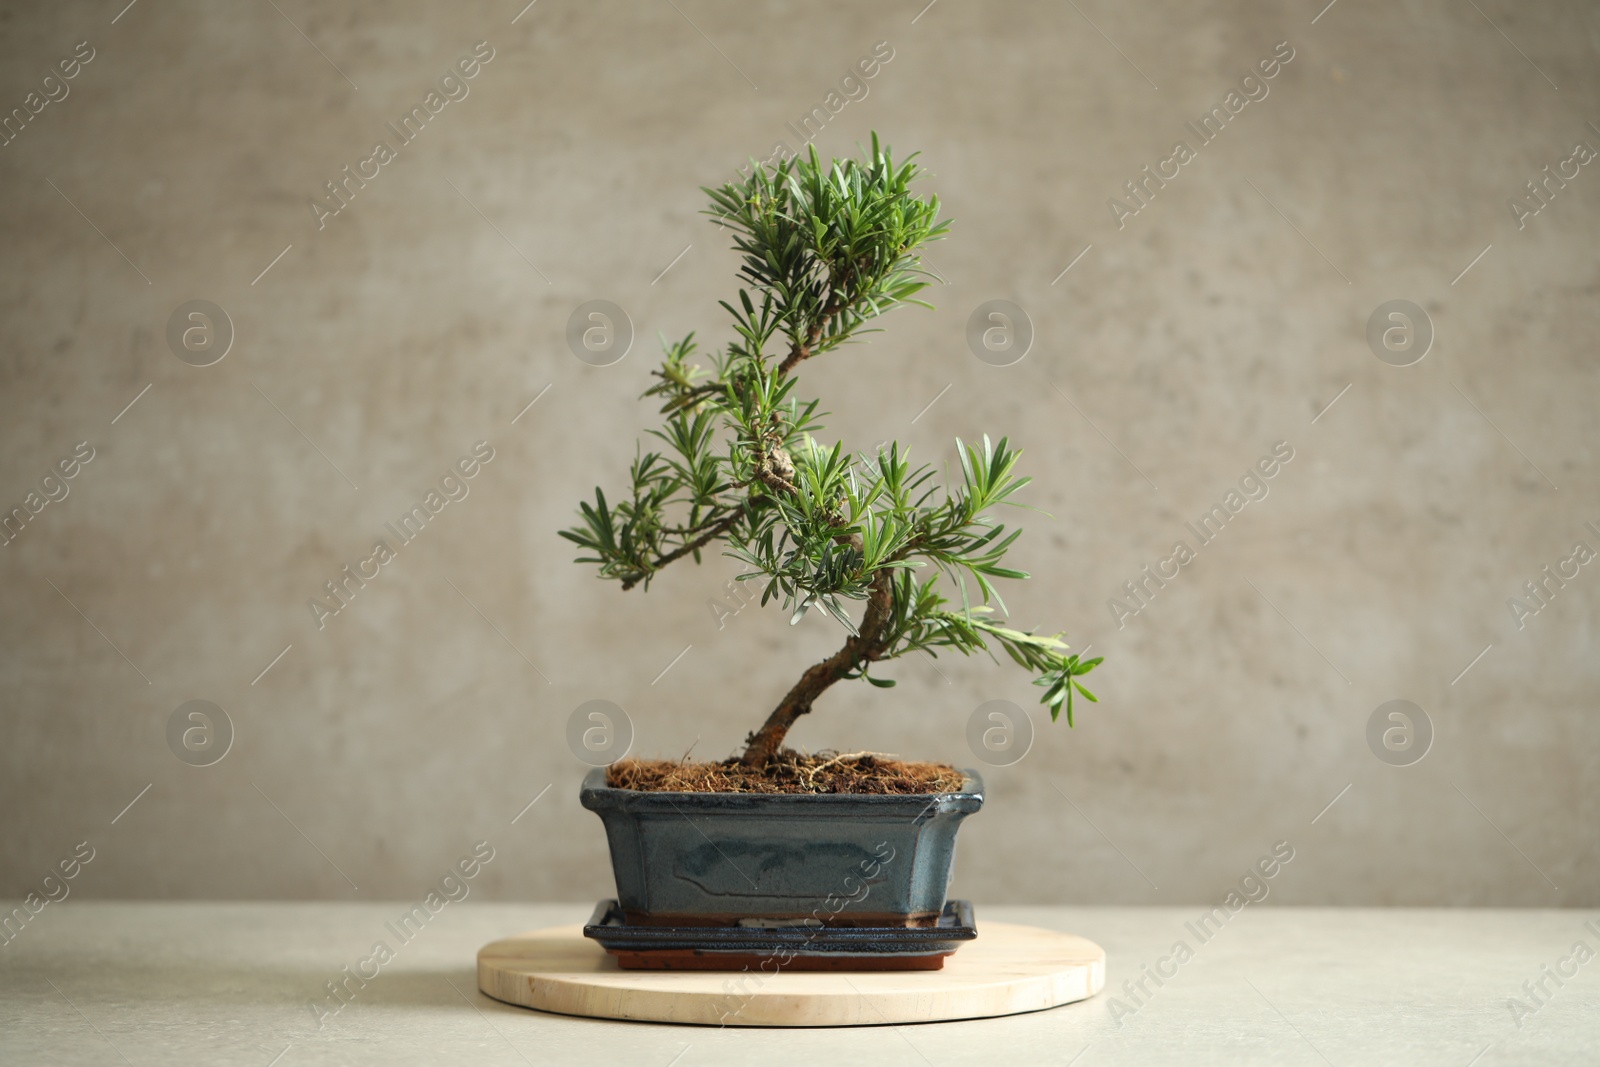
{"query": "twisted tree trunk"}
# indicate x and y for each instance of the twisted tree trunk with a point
(865, 645)
(862, 647)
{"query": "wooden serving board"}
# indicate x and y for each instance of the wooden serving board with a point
(1008, 969)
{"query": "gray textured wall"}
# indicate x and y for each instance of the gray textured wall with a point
(1220, 319)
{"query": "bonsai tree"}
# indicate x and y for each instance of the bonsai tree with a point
(826, 251)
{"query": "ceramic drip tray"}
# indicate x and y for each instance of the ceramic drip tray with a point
(803, 945)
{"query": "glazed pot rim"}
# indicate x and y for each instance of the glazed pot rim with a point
(595, 792)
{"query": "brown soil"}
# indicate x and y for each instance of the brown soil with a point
(788, 772)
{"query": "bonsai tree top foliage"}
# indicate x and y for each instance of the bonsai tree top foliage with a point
(826, 251)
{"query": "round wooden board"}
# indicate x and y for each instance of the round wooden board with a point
(1008, 969)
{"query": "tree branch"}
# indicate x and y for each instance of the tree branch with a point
(805, 349)
(716, 530)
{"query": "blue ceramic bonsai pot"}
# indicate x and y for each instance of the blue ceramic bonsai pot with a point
(777, 859)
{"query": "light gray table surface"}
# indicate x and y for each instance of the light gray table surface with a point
(230, 983)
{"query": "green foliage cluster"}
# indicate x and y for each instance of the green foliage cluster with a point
(826, 250)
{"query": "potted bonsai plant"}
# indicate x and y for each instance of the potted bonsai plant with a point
(772, 836)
